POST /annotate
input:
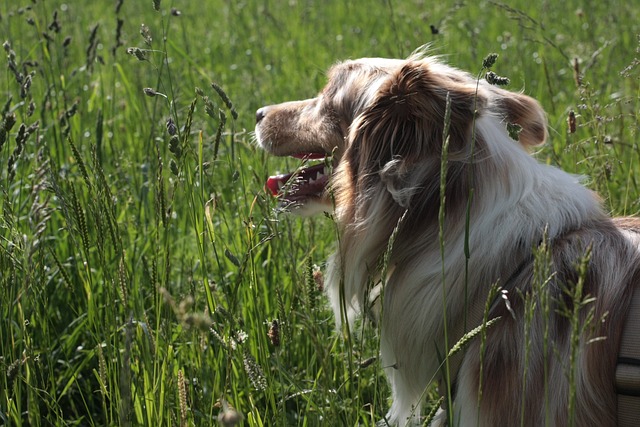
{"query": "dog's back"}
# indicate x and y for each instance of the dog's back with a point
(557, 344)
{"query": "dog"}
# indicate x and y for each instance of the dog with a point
(435, 203)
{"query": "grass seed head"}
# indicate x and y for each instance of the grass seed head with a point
(571, 121)
(102, 369)
(318, 278)
(254, 371)
(174, 146)
(7, 124)
(577, 77)
(367, 362)
(13, 370)
(496, 80)
(182, 394)
(55, 25)
(174, 167)
(172, 129)
(26, 85)
(274, 333)
(93, 46)
(118, 43)
(489, 61)
(138, 53)
(145, 32)
(150, 92)
(225, 98)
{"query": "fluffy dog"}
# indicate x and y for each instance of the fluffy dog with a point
(383, 123)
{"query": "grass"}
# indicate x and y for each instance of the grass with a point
(142, 265)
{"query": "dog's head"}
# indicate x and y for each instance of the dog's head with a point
(382, 121)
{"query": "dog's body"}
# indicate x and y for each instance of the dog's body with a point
(384, 122)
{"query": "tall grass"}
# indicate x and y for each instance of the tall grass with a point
(142, 266)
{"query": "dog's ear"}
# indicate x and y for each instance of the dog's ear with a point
(524, 111)
(403, 128)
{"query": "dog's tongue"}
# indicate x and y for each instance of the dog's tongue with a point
(307, 180)
(275, 182)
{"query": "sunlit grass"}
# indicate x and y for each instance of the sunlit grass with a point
(142, 265)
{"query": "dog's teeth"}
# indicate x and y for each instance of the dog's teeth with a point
(280, 185)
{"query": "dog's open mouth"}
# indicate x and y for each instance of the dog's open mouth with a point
(306, 183)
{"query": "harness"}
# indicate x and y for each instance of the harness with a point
(628, 368)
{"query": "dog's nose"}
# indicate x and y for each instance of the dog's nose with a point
(260, 114)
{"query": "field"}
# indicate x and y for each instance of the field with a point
(146, 276)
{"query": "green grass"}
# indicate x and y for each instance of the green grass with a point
(140, 275)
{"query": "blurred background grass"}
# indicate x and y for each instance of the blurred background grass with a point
(145, 276)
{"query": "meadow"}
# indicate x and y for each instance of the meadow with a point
(147, 277)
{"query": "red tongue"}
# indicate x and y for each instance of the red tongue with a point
(275, 183)
(272, 183)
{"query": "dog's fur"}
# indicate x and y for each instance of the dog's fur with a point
(383, 121)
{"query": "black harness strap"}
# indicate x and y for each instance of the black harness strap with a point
(628, 369)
